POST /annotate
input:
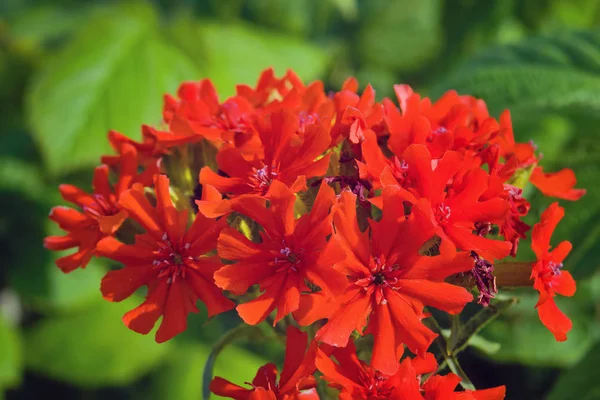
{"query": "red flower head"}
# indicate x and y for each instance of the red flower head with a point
(289, 157)
(296, 381)
(169, 259)
(289, 254)
(453, 122)
(148, 154)
(356, 380)
(548, 274)
(458, 203)
(557, 184)
(272, 94)
(390, 282)
(355, 114)
(197, 115)
(100, 216)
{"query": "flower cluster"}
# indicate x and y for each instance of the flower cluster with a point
(327, 210)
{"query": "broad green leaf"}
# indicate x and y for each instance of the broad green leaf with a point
(11, 360)
(92, 348)
(523, 338)
(112, 75)
(580, 382)
(554, 72)
(181, 376)
(237, 53)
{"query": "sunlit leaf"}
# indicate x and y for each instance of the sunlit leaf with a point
(112, 75)
(237, 53)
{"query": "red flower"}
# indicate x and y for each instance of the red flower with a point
(288, 157)
(512, 228)
(290, 252)
(169, 259)
(453, 122)
(458, 203)
(272, 94)
(148, 154)
(548, 274)
(296, 381)
(100, 216)
(269, 88)
(355, 114)
(557, 184)
(390, 282)
(356, 380)
(198, 115)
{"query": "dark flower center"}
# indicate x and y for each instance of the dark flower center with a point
(379, 278)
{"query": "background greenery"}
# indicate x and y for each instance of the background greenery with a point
(70, 70)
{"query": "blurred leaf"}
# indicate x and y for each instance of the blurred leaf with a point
(47, 22)
(348, 8)
(288, 16)
(469, 25)
(92, 348)
(555, 72)
(238, 53)
(20, 177)
(111, 76)
(11, 362)
(523, 338)
(580, 382)
(181, 377)
(398, 34)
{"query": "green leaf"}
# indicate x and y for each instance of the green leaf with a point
(92, 348)
(11, 362)
(22, 177)
(181, 376)
(523, 338)
(580, 382)
(554, 72)
(111, 76)
(238, 53)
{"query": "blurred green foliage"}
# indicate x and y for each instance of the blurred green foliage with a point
(71, 70)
